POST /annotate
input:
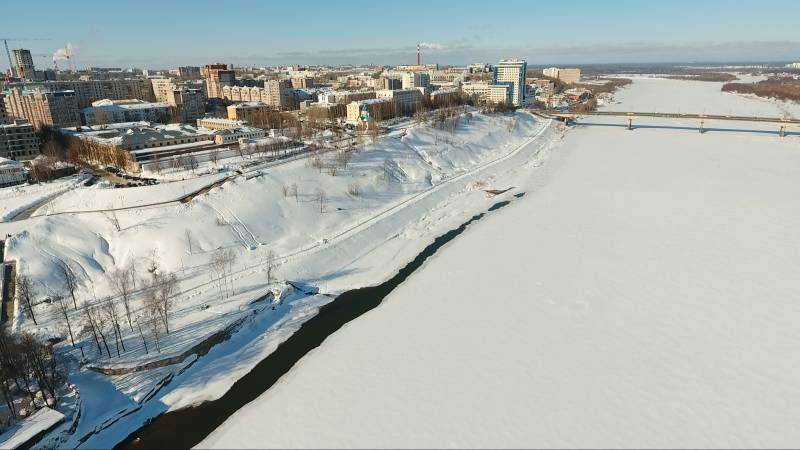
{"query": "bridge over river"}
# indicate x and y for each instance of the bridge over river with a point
(781, 122)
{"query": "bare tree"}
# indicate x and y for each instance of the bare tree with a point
(27, 294)
(122, 287)
(167, 288)
(132, 271)
(69, 279)
(322, 199)
(286, 190)
(218, 265)
(93, 316)
(272, 261)
(193, 163)
(63, 308)
(343, 159)
(141, 333)
(185, 162)
(189, 241)
(317, 163)
(222, 264)
(388, 169)
(295, 193)
(114, 220)
(88, 326)
(213, 155)
(41, 363)
(153, 320)
(354, 189)
(111, 314)
(154, 263)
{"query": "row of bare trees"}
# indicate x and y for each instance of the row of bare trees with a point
(104, 321)
(84, 152)
(27, 367)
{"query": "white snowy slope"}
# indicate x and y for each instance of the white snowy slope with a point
(645, 295)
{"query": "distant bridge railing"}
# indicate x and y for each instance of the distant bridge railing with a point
(566, 116)
(575, 115)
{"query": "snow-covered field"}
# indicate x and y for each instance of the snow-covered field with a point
(414, 185)
(643, 294)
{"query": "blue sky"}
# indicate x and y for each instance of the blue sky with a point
(157, 34)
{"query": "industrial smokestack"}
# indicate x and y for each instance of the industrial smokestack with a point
(419, 54)
(65, 54)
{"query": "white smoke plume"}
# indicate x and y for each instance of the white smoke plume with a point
(65, 53)
(433, 46)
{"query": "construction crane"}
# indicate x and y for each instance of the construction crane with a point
(8, 52)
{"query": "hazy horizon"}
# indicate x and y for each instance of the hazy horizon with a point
(158, 35)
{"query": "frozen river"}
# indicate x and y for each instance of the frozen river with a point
(648, 94)
(643, 293)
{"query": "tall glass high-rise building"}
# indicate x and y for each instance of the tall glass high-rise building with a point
(512, 72)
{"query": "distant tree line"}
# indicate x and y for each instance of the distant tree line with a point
(781, 88)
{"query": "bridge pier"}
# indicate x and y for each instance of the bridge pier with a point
(630, 124)
(702, 126)
(783, 131)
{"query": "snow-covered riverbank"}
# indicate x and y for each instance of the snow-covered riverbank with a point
(643, 294)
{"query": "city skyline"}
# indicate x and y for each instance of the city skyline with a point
(159, 35)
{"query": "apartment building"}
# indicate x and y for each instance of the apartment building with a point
(479, 68)
(89, 91)
(23, 64)
(347, 97)
(278, 94)
(512, 72)
(445, 97)
(487, 93)
(252, 112)
(3, 115)
(55, 109)
(407, 100)
(390, 83)
(118, 111)
(18, 141)
(188, 104)
(328, 111)
(217, 76)
(189, 72)
(376, 109)
(232, 135)
(413, 80)
(303, 83)
(161, 88)
(219, 123)
(569, 76)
